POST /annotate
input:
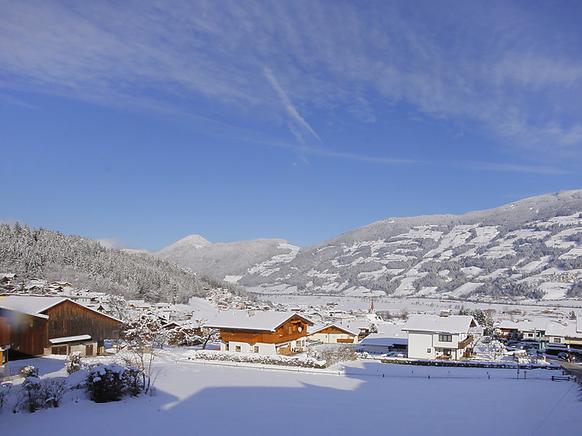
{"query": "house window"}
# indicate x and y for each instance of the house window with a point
(428, 350)
(237, 348)
(445, 338)
(557, 340)
(256, 348)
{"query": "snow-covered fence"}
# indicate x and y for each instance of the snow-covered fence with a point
(467, 364)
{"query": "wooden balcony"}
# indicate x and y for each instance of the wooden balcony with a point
(288, 351)
(465, 342)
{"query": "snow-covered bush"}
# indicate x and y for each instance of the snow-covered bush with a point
(32, 397)
(5, 389)
(40, 394)
(185, 336)
(74, 363)
(132, 381)
(111, 382)
(105, 383)
(52, 391)
(333, 355)
(302, 361)
(29, 371)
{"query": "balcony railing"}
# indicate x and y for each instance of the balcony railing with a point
(465, 342)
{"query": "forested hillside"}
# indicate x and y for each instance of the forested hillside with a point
(40, 253)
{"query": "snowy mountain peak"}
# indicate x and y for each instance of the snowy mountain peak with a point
(189, 242)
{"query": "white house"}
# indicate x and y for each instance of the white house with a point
(261, 332)
(434, 336)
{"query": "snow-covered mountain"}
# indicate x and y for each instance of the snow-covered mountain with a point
(528, 249)
(226, 260)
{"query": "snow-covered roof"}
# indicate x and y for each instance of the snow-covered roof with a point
(243, 320)
(563, 330)
(388, 335)
(383, 339)
(32, 305)
(35, 305)
(435, 323)
(67, 339)
(339, 326)
(523, 325)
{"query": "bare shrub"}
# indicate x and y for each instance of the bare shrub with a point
(5, 389)
(53, 391)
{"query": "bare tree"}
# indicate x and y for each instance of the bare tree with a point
(144, 336)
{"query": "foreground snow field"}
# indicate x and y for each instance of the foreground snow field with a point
(199, 399)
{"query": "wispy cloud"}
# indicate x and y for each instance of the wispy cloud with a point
(290, 108)
(505, 167)
(495, 68)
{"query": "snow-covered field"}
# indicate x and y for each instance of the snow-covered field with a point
(201, 399)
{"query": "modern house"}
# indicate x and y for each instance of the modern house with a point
(335, 333)
(261, 332)
(440, 337)
(34, 326)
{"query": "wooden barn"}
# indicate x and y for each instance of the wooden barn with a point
(261, 332)
(34, 326)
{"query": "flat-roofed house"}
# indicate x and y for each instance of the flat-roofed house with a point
(261, 332)
(564, 333)
(444, 337)
(527, 330)
(389, 338)
(36, 326)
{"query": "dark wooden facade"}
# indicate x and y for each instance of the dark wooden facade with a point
(26, 334)
(4, 330)
(29, 335)
(72, 319)
(294, 328)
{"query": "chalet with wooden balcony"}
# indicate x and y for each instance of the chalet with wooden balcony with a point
(335, 333)
(261, 332)
(440, 337)
(34, 326)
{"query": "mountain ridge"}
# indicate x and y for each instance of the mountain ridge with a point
(528, 248)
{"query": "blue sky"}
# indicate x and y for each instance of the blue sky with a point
(142, 122)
